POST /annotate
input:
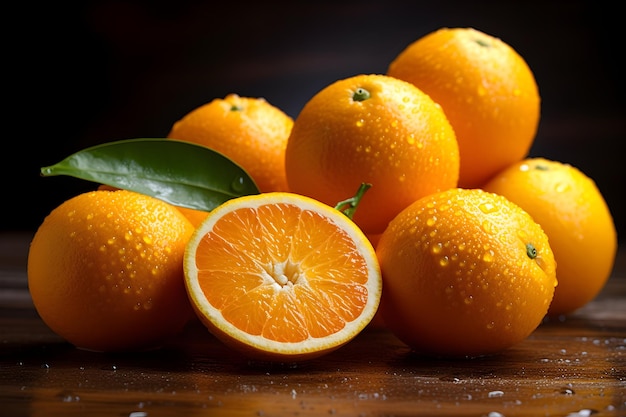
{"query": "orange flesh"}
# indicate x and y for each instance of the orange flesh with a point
(282, 272)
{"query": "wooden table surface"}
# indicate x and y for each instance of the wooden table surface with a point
(572, 367)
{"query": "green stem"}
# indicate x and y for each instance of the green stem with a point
(349, 206)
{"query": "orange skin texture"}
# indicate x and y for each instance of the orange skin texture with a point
(398, 140)
(457, 278)
(105, 271)
(194, 216)
(487, 91)
(572, 211)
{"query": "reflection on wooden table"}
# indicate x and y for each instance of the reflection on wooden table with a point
(575, 366)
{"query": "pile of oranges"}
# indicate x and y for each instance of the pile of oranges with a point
(462, 243)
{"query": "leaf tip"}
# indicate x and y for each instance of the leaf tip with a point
(45, 171)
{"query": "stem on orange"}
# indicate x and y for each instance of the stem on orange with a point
(349, 206)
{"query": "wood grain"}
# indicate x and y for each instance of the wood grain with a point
(574, 366)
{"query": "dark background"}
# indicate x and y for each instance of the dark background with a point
(109, 70)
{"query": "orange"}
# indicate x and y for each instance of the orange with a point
(194, 216)
(282, 277)
(371, 129)
(487, 91)
(466, 273)
(105, 271)
(248, 130)
(572, 211)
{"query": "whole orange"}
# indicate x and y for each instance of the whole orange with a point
(572, 211)
(105, 271)
(371, 129)
(248, 130)
(465, 273)
(487, 91)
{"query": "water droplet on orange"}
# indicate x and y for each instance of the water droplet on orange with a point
(561, 187)
(487, 208)
(487, 227)
(436, 248)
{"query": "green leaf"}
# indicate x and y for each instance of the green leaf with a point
(178, 172)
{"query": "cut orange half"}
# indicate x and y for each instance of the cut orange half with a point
(282, 277)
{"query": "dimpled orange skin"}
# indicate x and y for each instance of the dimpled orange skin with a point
(105, 271)
(249, 130)
(572, 211)
(194, 216)
(457, 278)
(487, 91)
(398, 140)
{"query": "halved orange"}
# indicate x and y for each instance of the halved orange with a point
(282, 277)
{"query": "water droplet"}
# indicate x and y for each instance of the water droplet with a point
(360, 123)
(448, 378)
(561, 187)
(431, 221)
(487, 208)
(582, 413)
(411, 139)
(444, 261)
(488, 256)
(436, 248)
(67, 396)
(495, 394)
(238, 184)
(487, 227)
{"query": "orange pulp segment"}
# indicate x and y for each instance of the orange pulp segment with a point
(281, 276)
